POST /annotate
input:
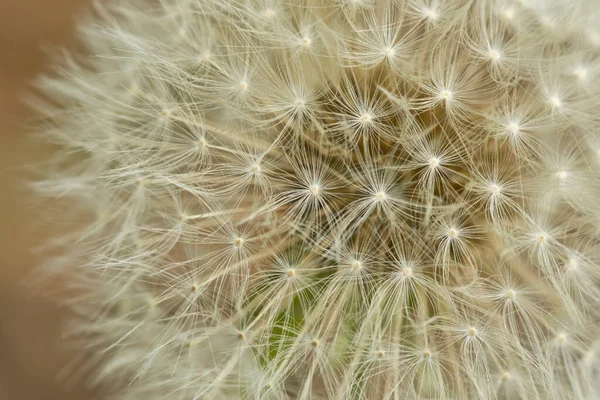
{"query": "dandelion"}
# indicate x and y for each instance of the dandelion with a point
(346, 199)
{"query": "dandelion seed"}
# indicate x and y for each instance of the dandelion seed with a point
(542, 238)
(573, 264)
(555, 101)
(255, 169)
(205, 56)
(269, 13)
(446, 95)
(562, 175)
(389, 52)
(431, 14)
(509, 13)
(494, 55)
(513, 128)
(381, 196)
(561, 338)
(238, 242)
(452, 233)
(547, 21)
(434, 162)
(365, 118)
(511, 294)
(305, 41)
(580, 73)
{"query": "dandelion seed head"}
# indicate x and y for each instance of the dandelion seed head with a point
(315, 199)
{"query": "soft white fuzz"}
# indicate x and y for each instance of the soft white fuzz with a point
(332, 199)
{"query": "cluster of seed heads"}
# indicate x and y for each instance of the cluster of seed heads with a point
(331, 199)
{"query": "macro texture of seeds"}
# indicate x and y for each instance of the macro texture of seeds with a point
(331, 199)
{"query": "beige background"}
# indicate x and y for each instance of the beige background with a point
(30, 346)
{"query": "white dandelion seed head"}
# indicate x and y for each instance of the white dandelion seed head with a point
(328, 199)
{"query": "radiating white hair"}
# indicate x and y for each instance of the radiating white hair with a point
(331, 199)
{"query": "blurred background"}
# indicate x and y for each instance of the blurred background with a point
(31, 352)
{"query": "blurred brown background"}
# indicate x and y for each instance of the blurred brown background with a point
(30, 344)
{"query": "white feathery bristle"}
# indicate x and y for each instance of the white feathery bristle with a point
(345, 199)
